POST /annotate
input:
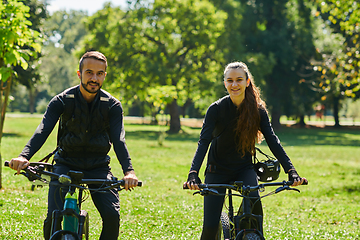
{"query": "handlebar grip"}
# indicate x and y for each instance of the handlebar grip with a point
(122, 183)
(305, 182)
(201, 185)
(6, 164)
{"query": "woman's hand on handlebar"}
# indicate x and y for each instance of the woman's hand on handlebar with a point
(131, 180)
(19, 164)
(192, 181)
(303, 181)
(295, 178)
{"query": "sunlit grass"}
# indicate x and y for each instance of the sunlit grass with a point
(325, 209)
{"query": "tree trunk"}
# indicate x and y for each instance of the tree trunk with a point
(336, 111)
(32, 94)
(154, 120)
(3, 105)
(301, 122)
(186, 105)
(175, 125)
(275, 118)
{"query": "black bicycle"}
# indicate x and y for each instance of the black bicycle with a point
(242, 224)
(75, 220)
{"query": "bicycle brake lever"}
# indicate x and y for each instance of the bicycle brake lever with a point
(294, 189)
(207, 191)
(30, 177)
(286, 187)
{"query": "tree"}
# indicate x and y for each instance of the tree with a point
(30, 77)
(233, 45)
(65, 31)
(339, 70)
(15, 33)
(163, 43)
(282, 30)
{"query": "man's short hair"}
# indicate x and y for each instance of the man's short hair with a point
(95, 55)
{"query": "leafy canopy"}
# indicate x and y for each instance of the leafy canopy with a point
(166, 43)
(14, 34)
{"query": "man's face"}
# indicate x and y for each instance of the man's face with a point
(92, 75)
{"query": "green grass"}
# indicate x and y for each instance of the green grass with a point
(325, 209)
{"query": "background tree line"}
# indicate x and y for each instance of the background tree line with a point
(168, 55)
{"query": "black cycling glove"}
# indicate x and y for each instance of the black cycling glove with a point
(193, 178)
(293, 175)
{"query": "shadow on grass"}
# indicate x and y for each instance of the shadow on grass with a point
(154, 135)
(289, 136)
(11, 135)
(351, 189)
(346, 189)
(319, 136)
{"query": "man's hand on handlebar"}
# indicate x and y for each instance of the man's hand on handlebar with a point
(19, 164)
(131, 180)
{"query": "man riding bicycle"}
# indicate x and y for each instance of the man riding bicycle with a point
(91, 120)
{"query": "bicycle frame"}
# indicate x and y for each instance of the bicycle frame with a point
(70, 214)
(74, 180)
(244, 222)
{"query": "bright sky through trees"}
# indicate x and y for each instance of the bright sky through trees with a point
(91, 6)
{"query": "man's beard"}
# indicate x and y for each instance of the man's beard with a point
(86, 89)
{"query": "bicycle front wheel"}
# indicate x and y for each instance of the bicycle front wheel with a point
(69, 237)
(252, 236)
(224, 227)
(64, 235)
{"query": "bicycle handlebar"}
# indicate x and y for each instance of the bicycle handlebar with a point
(238, 185)
(34, 173)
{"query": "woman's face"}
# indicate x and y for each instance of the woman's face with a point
(235, 83)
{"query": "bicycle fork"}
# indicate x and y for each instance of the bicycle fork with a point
(73, 220)
(231, 216)
(246, 220)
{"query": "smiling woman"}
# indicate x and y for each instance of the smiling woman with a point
(232, 126)
(236, 81)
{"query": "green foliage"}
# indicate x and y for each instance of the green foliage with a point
(30, 76)
(281, 31)
(65, 31)
(166, 43)
(339, 70)
(161, 96)
(15, 33)
(42, 105)
(350, 109)
(19, 99)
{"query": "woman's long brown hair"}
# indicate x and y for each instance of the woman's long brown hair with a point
(248, 124)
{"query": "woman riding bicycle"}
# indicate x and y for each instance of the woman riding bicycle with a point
(233, 125)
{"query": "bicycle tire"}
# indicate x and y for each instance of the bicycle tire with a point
(68, 237)
(64, 235)
(225, 225)
(252, 236)
(85, 232)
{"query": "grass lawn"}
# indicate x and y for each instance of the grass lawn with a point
(328, 208)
